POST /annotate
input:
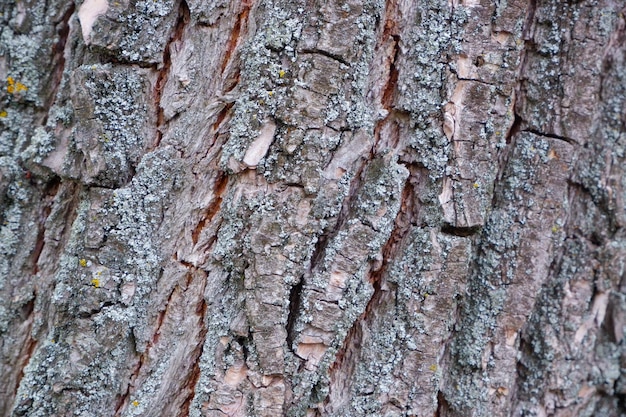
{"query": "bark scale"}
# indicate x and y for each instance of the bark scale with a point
(312, 208)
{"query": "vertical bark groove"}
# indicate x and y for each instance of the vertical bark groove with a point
(164, 71)
(312, 208)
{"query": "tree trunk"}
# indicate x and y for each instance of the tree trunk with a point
(313, 208)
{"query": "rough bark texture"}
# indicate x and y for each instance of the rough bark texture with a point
(312, 208)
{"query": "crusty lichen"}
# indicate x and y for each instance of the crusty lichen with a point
(104, 327)
(112, 129)
(137, 32)
(262, 88)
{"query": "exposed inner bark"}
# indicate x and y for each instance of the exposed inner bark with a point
(363, 208)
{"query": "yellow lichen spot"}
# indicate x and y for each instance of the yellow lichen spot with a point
(433, 367)
(15, 87)
(95, 282)
(281, 73)
(10, 85)
(83, 262)
(555, 228)
(270, 93)
(3, 113)
(53, 341)
(476, 185)
(135, 403)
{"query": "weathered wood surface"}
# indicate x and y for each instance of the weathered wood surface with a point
(312, 208)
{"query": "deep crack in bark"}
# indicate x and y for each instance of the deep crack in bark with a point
(194, 376)
(295, 300)
(58, 57)
(50, 191)
(235, 35)
(164, 71)
(214, 207)
(351, 345)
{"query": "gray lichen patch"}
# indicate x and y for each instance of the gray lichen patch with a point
(580, 307)
(208, 11)
(509, 268)
(30, 60)
(419, 292)
(28, 50)
(132, 217)
(337, 292)
(23, 79)
(578, 303)
(300, 86)
(298, 157)
(13, 197)
(104, 284)
(560, 36)
(266, 60)
(224, 344)
(19, 235)
(89, 383)
(78, 348)
(114, 124)
(377, 208)
(135, 31)
(39, 147)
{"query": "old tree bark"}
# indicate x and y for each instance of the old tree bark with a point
(312, 208)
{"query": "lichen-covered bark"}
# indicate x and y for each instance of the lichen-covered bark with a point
(312, 208)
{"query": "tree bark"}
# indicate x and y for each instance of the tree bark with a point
(313, 208)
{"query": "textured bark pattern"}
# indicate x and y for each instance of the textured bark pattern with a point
(312, 208)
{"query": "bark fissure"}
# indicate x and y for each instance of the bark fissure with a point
(352, 341)
(235, 35)
(552, 136)
(295, 300)
(122, 401)
(327, 54)
(391, 85)
(192, 380)
(28, 348)
(336, 208)
(442, 405)
(164, 71)
(321, 245)
(219, 188)
(460, 231)
(58, 59)
(477, 80)
(50, 192)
